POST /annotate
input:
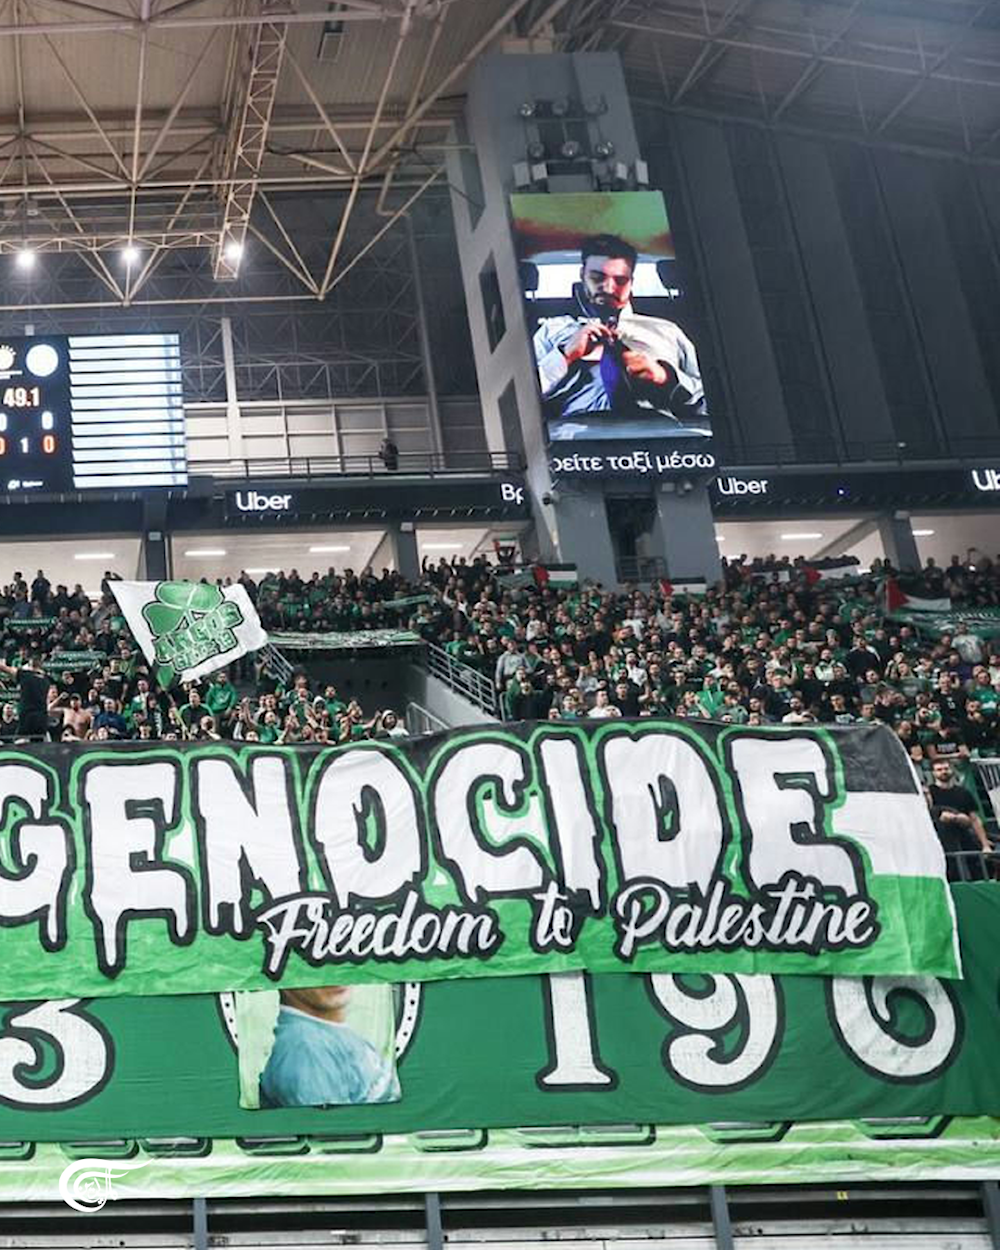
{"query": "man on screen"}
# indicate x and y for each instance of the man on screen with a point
(606, 358)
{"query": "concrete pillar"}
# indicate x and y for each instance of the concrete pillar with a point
(154, 562)
(482, 181)
(234, 419)
(684, 532)
(584, 536)
(404, 538)
(897, 540)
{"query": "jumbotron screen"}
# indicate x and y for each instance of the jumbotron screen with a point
(85, 411)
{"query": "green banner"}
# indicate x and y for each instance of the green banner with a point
(30, 622)
(408, 601)
(536, 1051)
(982, 622)
(838, 1154)
(75, 661)
(345, 640)
(648, 846)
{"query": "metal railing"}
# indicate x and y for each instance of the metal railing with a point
(977, 865)
(275, 663)
(988, 773)
(461, 678)
(420, 464)
(420, 721)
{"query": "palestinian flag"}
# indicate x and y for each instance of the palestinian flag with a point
(555, 576)
(688, 588)
(897, 599)
(831, 573)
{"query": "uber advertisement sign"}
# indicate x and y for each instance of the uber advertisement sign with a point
(270, 504)
(733, 489)
(756, 493)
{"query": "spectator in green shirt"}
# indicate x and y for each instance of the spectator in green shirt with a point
(221, 697)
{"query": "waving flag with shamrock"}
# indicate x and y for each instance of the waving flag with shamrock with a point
(188, 629)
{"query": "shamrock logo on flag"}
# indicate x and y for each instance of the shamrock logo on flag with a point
(190, 622)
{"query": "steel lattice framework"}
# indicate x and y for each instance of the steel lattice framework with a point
(189, 126)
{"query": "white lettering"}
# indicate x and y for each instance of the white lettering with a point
(737, 486)
(128, 807)
(664, 810)
(253, 501)
(573, 1057)
(867, 1020)
(245, 841)
(695, 1053)
(986, 479)
(783, 784)
(57, 1028)
(366, 827)
(474, 826)
(37, 881)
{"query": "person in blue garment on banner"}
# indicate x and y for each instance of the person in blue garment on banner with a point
(317, 1059)
(604, 360)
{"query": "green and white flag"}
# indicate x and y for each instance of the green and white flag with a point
(188, 629)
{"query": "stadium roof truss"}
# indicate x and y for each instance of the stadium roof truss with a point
(163, 125)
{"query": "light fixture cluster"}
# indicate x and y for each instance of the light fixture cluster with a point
(26, 258)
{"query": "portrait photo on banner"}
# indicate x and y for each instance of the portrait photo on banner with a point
(608, 317)
(323, 1046)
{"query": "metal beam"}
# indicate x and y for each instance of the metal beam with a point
(82, 100)
(362, 165)
(177, 105)
(303, 267)
(721, 1223)
(481, 44)
(403, 208)
(331, 129)
(248, 138)
(712, 52)
(168, 22)
(815, 67)
(200, 1224)
(928, 73)
(991, 1208)
(432, 1221)
(94, 262)
(847, 539)
(757, 40)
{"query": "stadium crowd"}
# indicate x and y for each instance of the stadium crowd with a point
(776, 642)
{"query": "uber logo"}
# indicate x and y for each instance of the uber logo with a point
(736, 486)
(510, 493)
(252, 501)
(986, 479)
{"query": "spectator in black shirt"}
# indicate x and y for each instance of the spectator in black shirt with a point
(33, 708)
(626, 698)
(957, 820)
(40, 588)
(978, 730)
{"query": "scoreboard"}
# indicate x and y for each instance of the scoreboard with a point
(90, 411)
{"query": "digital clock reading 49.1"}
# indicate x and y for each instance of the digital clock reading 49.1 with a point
(35, 416)
(22, 397)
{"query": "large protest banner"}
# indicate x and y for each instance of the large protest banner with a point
(631, 846)
(533, 1051)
